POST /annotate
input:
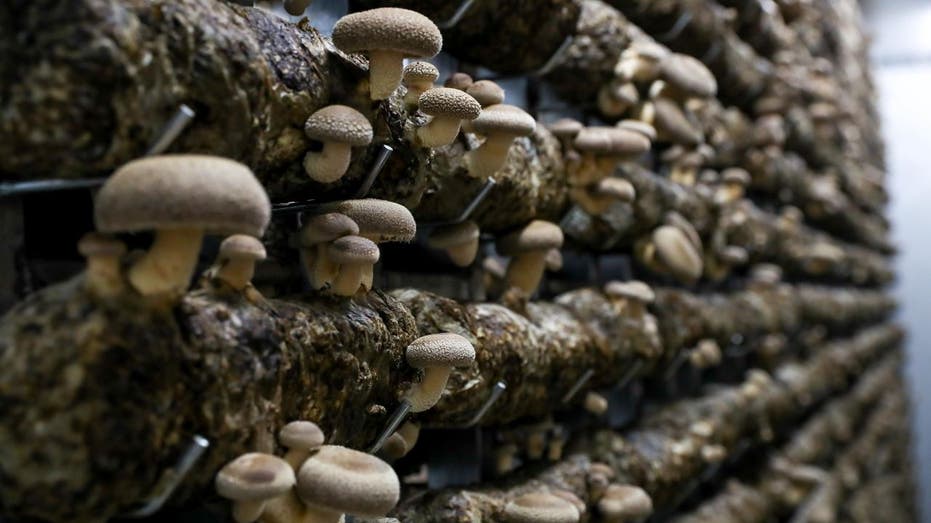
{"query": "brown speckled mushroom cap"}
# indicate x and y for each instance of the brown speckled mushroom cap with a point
(440, 350)
(353, 250)
(540, 507)
(632, 290)
(486, 92)
(504, 119)
(303, 435)
(611, 141)
(326, 227)
(626, 502)
(379, 220)
(420, 72)
(459, 81)
(449, 102)
(183, 191)
(735, 175)
(689, 75)
(388, 28)
(671, 120)
(537, 235)
(565, 128)
(254, 476)
(447, 236)
(348, 481)
(618, 188)
(639, 127)
(677, 252)
(241, 246)
(96, 244)
(339, 123)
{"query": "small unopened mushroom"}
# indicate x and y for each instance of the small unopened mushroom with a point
(236, 260)
(677, 254)
(639, 127)
(557, 445)
(616, 98)
(314, 238)
(598, 478)
(596, 403)
(640, 62)
(635, 294)
(181, 198)
(528, 247)
(706, 354)
(251, 481)
(625, 504)
(766, 275)
(387, 35)
(486, 92)
(540, 507)
(536, 442)
(296, 7)
(602, 148)
(337, 480)
(505, 458)
(436, 355)
(418, 78)
(680, 222)
(713, 453)
(597, 198)
(672, 124)
(500, 125)
(356, 257)
(565, 130)
(734, 180)
(553, 260)
(460, 241)
(460, 81)
(687, 77)
(301, 438)
(449, 108)
(339, 128)
(103, 254)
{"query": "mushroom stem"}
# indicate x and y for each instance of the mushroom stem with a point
(308, 258)
(330, 164)
(526, 270)
(368, 277)
(385, 70)
(325, 271)
(246, 511)
(296, 457)
(348, 280)
(414, 90)
(103, 274)
(463, 254)
(237, 273)
(284, 509)
(425, 395)
(490, 156)
(169, 264)
(315, 514)
(440, 131)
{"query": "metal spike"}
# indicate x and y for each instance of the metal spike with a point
(496, 393)
(476, 201)
(457, 16)
(583, 379)
(400, 414)
(172, 477)
(380, 160)
(681, 23)
(554, 58)
(172, 129)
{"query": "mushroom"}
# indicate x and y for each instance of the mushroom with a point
(706, 354)
(639, 127)
(181, 198)
(340, 128)
(418, 78)
(459, 240)
(635, 295)
(313, 239)
(460, 81)
(448, 107)
(528, 247)
(596, 403)
(678, 221)
(402, 441)
(436, 355)
(602, 148)
(252, 480)
(641, 61)
(103, 254)
(236, 260)
(387, 35)
(553, 260)
(505, 458)
(356, 257)
(734, 180)
(672, 124)
(296, 7)
(615, 98)
(486, 92)
(597, 198)
(677, 253)
(540, 507)
(536, 441)
(378, 220)
(501, 124)
(565, 130)
(625, 503)
(337, 480)
(301, 438)
(686, 77)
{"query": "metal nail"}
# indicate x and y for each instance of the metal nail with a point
(681, 23)
(629, 375)
(400, 414)
(676, 363)
(289, 207)
(457, 16)
(380, 160)
(554, 58)
(172, 477)
(12, 189)
(713, 51)
(172, 129)
(476, 201)
(496, 393)
(583, 379)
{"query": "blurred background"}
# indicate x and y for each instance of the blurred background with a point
(902, 67)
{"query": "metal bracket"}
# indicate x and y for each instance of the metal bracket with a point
(171, 478)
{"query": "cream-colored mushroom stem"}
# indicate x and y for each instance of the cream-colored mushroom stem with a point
(425, 394)
(439, 131)
(464, 254)
(325, 271)
(412, 96)
(526, 270)
(385, 70)
(237, 273)
(330, 164)
(169, 264)
(103, 275)
(296, 457)
(491, 156)
(314, 514)
(349, 279)
(368, 277)
(246, 511)
(284, 509)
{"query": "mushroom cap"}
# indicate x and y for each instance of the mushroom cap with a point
(626, 501)
(540, 507)
(301, 435)
(618, 188)
(689, 75)
(638, 127)
(381, 220)
(648, 49)
(183, 191)
(339, 123)
(766, 273)
(553, 260)
(459, 81)
(670, 118)
(446, 236)
(565, 128)
(486, 92)
(243, 247)
(440, 350)
(734, 255)
(449, 102)
(611, 141)
(326, 227)
(353, 250)
(735, 175)
(254, 476)
(346, 480)
(388, 29)
(504, 119)
(677, 251)
(537, 235)
(96, 244)
(419, 72)
(633, 290)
